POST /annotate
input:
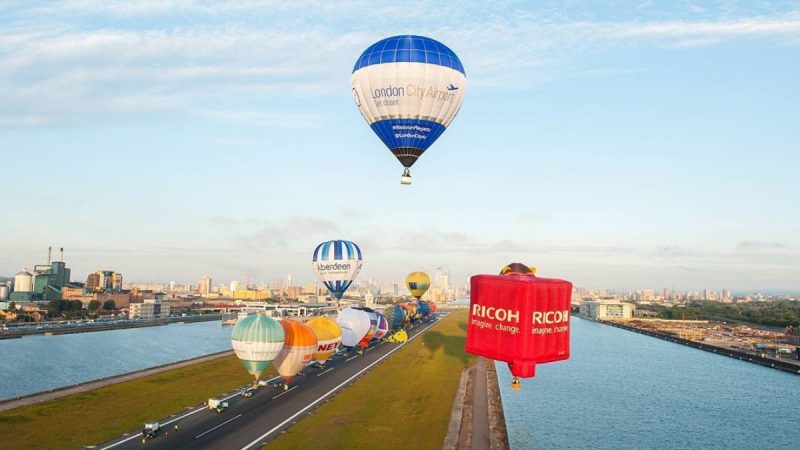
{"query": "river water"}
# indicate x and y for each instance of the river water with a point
(623, 390)
(38, 363)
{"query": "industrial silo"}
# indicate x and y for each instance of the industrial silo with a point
(23, 282)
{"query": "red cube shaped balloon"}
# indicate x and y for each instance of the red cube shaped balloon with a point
(519, 318)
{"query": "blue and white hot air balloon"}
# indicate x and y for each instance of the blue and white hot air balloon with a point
(337, 264)
(409, 89)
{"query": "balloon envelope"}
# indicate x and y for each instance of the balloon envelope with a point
(408, 89)
(398, 336)
(423, 309)
(418, 283)
(298, 349)
(395, 316)
(373, 326)
(336, 264)
(411, 311)
(329, 336)
(354, 324)
(383, 327)
(257, 340)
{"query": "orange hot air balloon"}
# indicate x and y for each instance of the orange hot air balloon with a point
(298, 349)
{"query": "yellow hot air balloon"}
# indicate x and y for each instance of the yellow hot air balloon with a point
(329, 336)
(418, 283)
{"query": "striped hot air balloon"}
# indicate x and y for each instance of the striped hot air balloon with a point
(418, 283)
(408, 89)
(373, 327)
(257, 340)
(329, 336)
(298, 350)
(337, 264)
(382, 329)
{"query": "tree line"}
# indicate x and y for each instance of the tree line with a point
(56, 308)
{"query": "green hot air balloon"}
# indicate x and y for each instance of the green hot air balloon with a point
(256, 341)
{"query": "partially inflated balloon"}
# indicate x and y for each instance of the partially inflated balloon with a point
(395, 316)
(354, 324)
(373, 327)
(383, 327)
(517, 268)
(257, 340)
(337, 264)
(329, 336)
(423, 309)
(412, 311)
(418, 283)
(399, 336)
(298, 349)
(408, 89)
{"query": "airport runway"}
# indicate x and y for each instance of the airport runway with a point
(253, 422)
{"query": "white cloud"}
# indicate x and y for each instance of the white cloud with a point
(73, 60)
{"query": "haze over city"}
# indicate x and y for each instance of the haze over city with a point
(635, 147)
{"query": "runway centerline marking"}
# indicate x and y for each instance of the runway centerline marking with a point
(322, 373)
(212, 429)
(344, 383)
(285, 392)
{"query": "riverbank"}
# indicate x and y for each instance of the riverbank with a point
(18, 332)
(785, 366)
(100, 414)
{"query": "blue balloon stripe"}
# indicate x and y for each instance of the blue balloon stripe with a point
(409, 48)
(316, 253)
(408, 133)
(337, 250)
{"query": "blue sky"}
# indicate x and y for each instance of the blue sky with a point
(617, 144)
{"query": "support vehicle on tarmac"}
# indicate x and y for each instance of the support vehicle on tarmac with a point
(217, 405)
(150, 430)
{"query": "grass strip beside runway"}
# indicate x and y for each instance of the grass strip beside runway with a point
(104, 413)
(404, 402)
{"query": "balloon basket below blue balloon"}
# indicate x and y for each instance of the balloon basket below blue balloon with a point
(406, 177)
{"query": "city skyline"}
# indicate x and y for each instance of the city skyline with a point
(632, 145)
(246, 281)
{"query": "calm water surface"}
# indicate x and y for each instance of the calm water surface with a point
(38, 363)
(622, 390)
